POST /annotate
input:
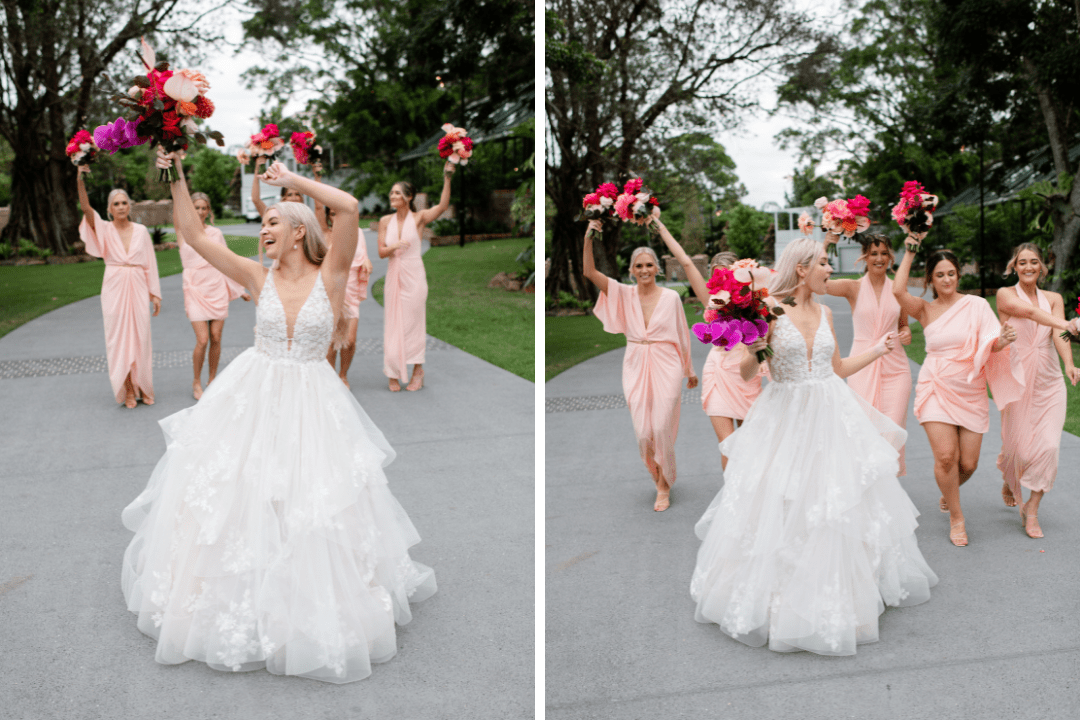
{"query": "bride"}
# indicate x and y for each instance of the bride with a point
(811, 535)
(267, 536)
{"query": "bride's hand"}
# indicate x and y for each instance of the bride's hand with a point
(691, 382)
(165, 159)
(758, 345)
(278, 175)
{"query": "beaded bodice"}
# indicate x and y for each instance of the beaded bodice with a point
(311, 332)
(789, 363)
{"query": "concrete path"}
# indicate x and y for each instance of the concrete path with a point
(71, 459)
(999, 638)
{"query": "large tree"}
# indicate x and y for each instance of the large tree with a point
(621, 77)
(52, 58)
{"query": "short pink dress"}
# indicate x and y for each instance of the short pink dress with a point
(886, 382)
(723, 391)
(959, 364)
(656, 361)
(1031, 427)
(131, 278)
(207, 291)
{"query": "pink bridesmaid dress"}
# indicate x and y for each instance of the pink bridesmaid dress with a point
(657, 359)
(405, 295)
(959, 364)
(207, 291)
(131, 277)
(886, 382)
(357, 285)
(1031, 427)
(723, 391)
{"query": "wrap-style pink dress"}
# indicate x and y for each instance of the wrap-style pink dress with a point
(207, 291)
(1031, 427)
(959, 364)
(886, 382)
(723, 391)
(357, 285)
(657, 359)
(131, 278)
(405, 302)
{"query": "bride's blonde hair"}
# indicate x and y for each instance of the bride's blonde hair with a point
(802, 252)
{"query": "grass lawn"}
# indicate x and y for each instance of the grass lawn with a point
(576, 338)
(491, 323)
(32, 290)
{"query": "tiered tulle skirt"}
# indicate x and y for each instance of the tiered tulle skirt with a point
(812, 535)
(267, 535)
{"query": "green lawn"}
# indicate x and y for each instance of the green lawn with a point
(490, 323)
(32, 290)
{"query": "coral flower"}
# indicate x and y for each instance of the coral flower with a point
(187, 108)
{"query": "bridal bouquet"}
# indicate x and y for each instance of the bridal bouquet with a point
(636, 204)
(165, 105)
(1069, 336)
(600, 204)
(737, 311)
(915, 211)
(265, 143)
(304, 148)
(81, 148)
(838, 217)
(455, 146)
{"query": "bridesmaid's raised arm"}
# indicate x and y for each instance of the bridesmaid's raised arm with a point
(588, 264)
(426, 216)
(260, 206)
(84, 199)
(845, 288)
(909, 304)
(697, 282)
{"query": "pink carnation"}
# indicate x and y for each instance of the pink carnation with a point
(590, 199)
(623, 206)
(608, 190)
(859, 205)
(633, 186)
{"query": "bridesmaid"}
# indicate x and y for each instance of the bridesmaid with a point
(1031, 427)
(405, 289)
(886, 382)
(131, 278)
(657, 357)
(207, 294)
(964, 341)
(355, 293)
(287, 194)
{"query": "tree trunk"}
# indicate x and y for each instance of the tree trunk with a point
(43, 198)
(1066, 219)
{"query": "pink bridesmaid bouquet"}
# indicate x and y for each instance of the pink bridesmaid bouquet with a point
(456, 146)
(737, 312)
(600, 204)
(915, 211)
(636, 204)
(81, 148)
(1069, 336)
(304, 148)
(265, 143)
(838, 217)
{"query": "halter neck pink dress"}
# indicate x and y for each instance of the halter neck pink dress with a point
(657, 359)
(886, 382)
(131, 278)
(207, 291)
(1031, 427)
(959, 364)
(405, 302)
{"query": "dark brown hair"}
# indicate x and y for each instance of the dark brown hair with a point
(407, 190)
(936, 257)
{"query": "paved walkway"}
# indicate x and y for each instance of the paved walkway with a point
(999, 638)
(71, 459)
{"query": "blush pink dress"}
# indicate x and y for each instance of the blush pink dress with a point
(959, 364)
(723, 391)
(657, 359)
(207, 291)
(886, 382)
(131, 278)
(357, 286)
(405, 301)
(1031, 427)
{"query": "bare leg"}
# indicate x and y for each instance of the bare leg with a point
(348, 351)
(1029, 514)
(129, 397)
(216, 326)
(417, 380)
(945, 444)
(202, 339)
(723, 426)
(663, 492)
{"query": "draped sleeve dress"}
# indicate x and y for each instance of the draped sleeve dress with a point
(131, 278)
(1031, 427)
(405, 297)
(886, 382)
(207, 292)
(657, 359)
(960, 363)
(357, 286)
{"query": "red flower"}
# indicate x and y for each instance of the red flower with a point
(170, 128)
(203, 107)
(654, 201)
(632, 186)
(608, 190)
(590, 199)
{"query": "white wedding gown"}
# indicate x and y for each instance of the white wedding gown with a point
(267, 536)
(811, 535)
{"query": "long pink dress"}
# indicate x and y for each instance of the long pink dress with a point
(723, 391)
(959, 364)
(207, 291)
(131, 278)
(357, 285)
(886, 382)
(1031, 427)
(405, 301)
(657, 359)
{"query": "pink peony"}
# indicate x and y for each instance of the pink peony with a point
(859, 205)
(633, 186)
(623, 206)
(590, 199)
(608, 190)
